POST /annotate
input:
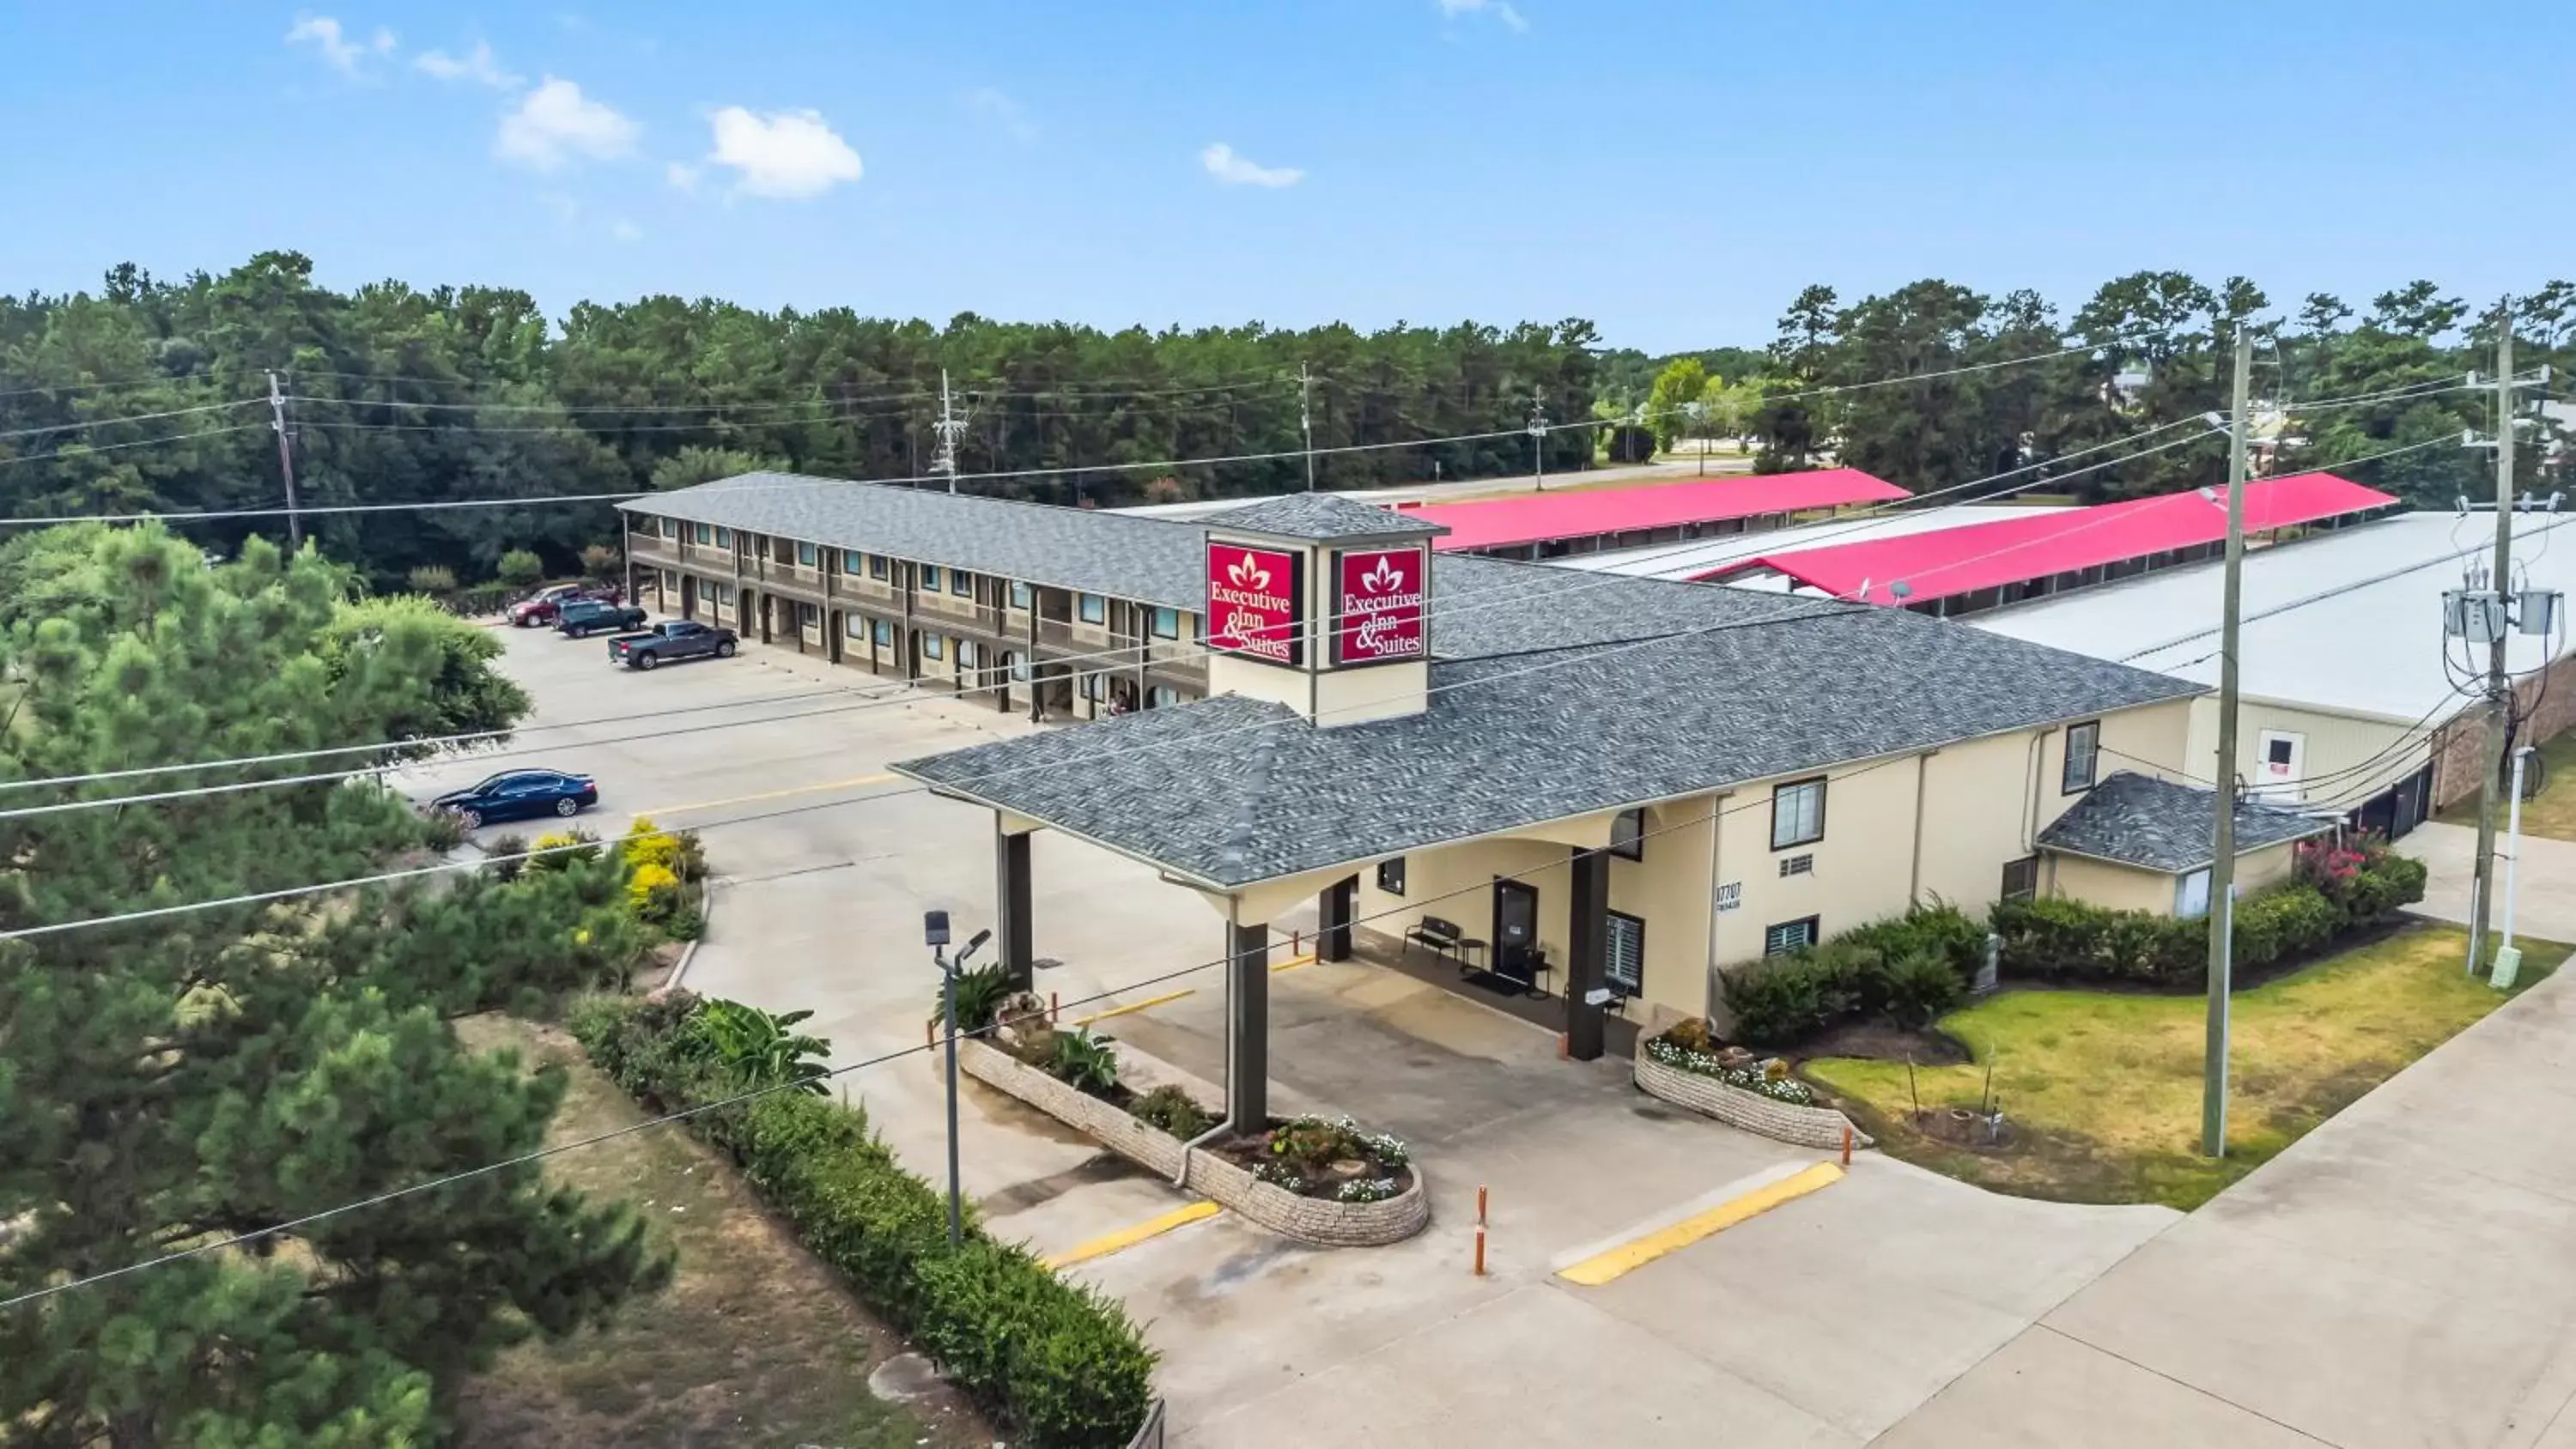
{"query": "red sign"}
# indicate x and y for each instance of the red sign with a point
(1256, 601)
(1377, 605)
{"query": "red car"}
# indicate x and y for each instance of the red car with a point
(540, 608)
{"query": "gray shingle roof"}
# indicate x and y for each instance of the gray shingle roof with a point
(1320, 516)
(1767, 687)
(2160, 825)
(1145, 559)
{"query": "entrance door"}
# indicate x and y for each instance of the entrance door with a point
(1515, 930)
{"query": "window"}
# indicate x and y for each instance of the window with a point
(1797, 865)
(930, 583)
(2021, 878)
(1167, 623)
(807, 556)
(1022, 596)
(2191, 894)
(850, 560)
(1162, 696)
(1624, 970)
(1094, 609)
(667, 527)
(808, 617)
(1788, 936)
(670, 582)
(724, 538)
(934, 646)
(876, 566)
(703, 534)
(967, 655)
(961, 583)
(1095, 687)
(724, 595)
(1798, 814)
(2083, 754)
(1390, 876)
(883, 633)
(1018, 665)
(1628, 835)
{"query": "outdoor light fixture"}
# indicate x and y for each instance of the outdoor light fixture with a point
(934, 929)
(934, 934)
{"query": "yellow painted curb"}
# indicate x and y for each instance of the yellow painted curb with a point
(1594, 1271)
(1293, 962)
(1130, 1237)
(851, 783)
(1150, 1001)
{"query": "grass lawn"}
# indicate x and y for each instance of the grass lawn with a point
(2104, 1087)
(2552, 812)
(754, 1342)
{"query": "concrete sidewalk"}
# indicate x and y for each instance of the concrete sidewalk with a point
(2404, 1275)
(2545, 879)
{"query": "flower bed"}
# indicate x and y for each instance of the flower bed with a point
(1328, 1222)
(1755, 1097)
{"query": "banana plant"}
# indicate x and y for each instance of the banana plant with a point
(756, 1048)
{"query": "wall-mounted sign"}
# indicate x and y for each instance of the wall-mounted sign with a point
(1377, 604)
(1730, 895)
(1256, 601)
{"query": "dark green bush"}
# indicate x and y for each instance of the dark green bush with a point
(1921, 988)
(979, 995)
(2054, 939)
(1940, 928)
(1059, 1364)
(1172, 1110)
(1787, 999)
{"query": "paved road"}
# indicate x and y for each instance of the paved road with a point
(2404, 1275)
(2545, 880)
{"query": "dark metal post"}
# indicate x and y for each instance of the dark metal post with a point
(1011, 902)
(948, 1004)
(1247, 1087)
(1588, 954)
(1333, 940)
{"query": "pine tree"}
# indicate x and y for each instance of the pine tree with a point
(173, 1082)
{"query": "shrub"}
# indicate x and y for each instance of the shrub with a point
(1787, 999)
(1921, 988)
(431, 579)
(1060, 1365)
(1369, 1189)
(1629, 443)
(441, 831)
(2054, 939)
(1171, 1110)
(521, 568)
(1083, 1062)
(508, 854)
(653, 894)
(1940, 929)
(688, 923)
(601, 562)
(750, 1048)
(562, 849)
(980, 994)
(1308, 1145)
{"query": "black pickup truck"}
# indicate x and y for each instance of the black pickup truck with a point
(582, 618)
(678, 639)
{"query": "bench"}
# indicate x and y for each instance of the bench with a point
(1440, 937)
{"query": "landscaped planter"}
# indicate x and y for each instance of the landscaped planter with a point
(1321, 1221)
(1736, 1107)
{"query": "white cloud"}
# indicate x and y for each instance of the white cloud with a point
(625, 231)
(557, 124)
(338, 50)
(1501, 10)
(785, 154)
(476, 65)
(993, 105)
(1234, 170)
(683, 175)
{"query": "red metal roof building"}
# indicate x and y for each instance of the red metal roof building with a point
(1551, 525)
(1964, 570)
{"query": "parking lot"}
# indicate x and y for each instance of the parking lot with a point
(1822, 1321)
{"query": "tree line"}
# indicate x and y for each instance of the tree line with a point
(2003, 382)
(403, 395)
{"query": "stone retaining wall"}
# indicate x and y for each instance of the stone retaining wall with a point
(1319, 1221)
(1736, 1107)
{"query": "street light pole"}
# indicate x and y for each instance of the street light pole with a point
(2222, 861)
(934, 933)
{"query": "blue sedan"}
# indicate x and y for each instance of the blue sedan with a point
(519, 795)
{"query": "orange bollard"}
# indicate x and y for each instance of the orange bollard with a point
(1480, 1204)
(1846, 1144)
(929, 1030)
(1480, 1251)
(1564, 1047)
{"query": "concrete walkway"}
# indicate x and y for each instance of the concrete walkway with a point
(2404, 1275)
(2545, 881)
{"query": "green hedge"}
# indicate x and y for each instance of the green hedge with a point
(1909, 968)
(1059, 1364)
(2336, 892)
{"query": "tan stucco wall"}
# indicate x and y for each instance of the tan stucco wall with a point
(2117, 887)
(2379, 753)
(2269, 866)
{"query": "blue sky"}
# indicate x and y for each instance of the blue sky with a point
(1674, 172)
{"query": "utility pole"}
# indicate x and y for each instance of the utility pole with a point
(285, 461)
(2499, 687)
(1538, 445)
(950, 428)
(1306, 420)
(2222, 859)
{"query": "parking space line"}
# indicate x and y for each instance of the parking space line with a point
(1149, 1001)
(852, 783)
(1125, 1238)
(1599, 1268)
(1293, 962)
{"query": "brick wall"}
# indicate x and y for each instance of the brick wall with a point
(1319, 1221)
(2459, 746)
(1760, 1115)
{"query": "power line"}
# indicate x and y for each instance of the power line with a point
(130, 418)
(89, 448)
